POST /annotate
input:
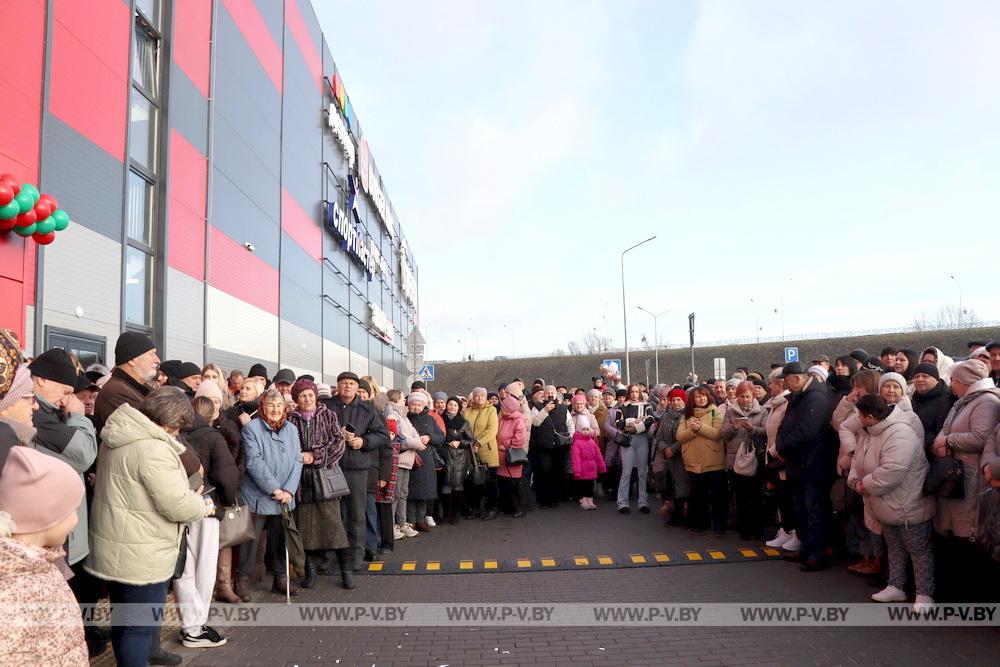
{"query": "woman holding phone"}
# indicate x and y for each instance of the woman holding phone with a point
(743, 431)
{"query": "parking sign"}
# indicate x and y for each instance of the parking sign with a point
(791, 354)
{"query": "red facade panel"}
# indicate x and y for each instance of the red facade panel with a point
(300, 33)
(88, 89)
(239, 273)
(254, 30)
(187, 187)
(192, 40)
(300, 226)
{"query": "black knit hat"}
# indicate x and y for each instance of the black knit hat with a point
(860, 355)
(171, 367)
(257, 370)
(130, 345)
(187, 369)
(55, 365)
(929, 369)
(363, 384)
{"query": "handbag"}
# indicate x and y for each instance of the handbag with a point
(477, 473)
(945, 478)
(235, 526)
(418, 461)
(746, 459)
(516, 456)
(330, 483)
(182, 556)
(623, 439)
(562, 440)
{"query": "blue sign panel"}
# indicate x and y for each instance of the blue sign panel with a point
(791, 354)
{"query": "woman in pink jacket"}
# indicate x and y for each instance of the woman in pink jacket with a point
(512, 434)
(588, 462)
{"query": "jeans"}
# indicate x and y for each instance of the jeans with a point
(274, 555)
(130, 636)
(636, 456)
(416, 511)
(371, 523)
(812, 512)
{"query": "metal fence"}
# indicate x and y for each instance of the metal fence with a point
(788, 338)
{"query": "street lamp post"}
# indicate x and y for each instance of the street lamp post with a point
(511, 339)
(477, 340)
(656, 339)
(961, 311)
(624, 311)
(756, 314)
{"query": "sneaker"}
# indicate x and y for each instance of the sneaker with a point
(889, 594)
(397, 533)
(779, 540)
(923, 604)
(793, 544)
(429, 520)
(591, 505)
(207, 639)
(407, 530)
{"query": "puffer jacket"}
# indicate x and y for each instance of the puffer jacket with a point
(702, 450)
(409, 439)
(49, 633)
(968, 427)
(776, 407)
(511, 434)
(458, 459)
(274, 461)
(890, 462)
(734, 436)
(141, 502)
(485, 426)
(851, 428)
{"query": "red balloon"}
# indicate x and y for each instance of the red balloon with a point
(44, 239)
(53, 204)
(12, 182)
(42, 209)
(6, 193)
(7, 225)
(26, 219)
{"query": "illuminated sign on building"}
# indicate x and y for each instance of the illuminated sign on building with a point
(381, 324)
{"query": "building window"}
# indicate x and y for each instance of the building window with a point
(143, 174)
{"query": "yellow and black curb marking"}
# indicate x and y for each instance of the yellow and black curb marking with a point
(589, 562)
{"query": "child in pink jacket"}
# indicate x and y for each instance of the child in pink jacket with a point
(587, 459)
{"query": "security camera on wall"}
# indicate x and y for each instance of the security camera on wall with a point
(249, 246)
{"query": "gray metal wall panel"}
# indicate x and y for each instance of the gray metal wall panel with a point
(299, 266)
(188, 109)
(246, 168)
(336, 325)
(227, 361)
(309, 16)
(301, 305)
(238, 216)
(184, 316)
(300, 348)
(88, 182)
(273, 13)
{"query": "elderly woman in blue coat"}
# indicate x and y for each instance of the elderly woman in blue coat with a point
(274, 467)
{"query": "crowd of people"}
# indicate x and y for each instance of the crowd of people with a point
(128, 481)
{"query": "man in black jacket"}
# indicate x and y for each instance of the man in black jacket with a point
(807, 443)
(365, 432)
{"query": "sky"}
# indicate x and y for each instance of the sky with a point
(805, 167)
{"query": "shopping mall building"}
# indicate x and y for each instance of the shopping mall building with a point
(222, 193)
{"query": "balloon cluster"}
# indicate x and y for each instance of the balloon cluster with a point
(29, 212)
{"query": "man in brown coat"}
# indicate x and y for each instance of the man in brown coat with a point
(136, 365)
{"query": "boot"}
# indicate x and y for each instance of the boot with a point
(157, 656)
(346, 560)
(224, 578)
(310, 579)
(282, 583)
(328, 567)
(243, 588)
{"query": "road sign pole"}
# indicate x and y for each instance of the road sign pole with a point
(691, 335)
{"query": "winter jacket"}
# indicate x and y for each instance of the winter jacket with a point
(545, 425)
(968, 427)
(601, 415)
(665, 440)
(408, 436)
(120, 388)
(776, 408)
(588, 462)
(932, 407)
(891, 465)
(511, 434)
(805, 438)
(47, 629)
(274, 461)
(72, 440)
(458, 459)
(702, 450)
(322, 434)
(142, 502)
(734, 436)
(991, 454)
(851, 428)
(368, 424)
(220, 469)
(423, 480)
(231, 431)
(485, 425)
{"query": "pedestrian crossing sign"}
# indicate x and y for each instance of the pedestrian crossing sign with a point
(426, 373)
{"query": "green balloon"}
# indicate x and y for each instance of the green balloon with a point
(45, 226)
(32, 190)
(61, 219)
(11, 210)
(26, 231)
(25, 202)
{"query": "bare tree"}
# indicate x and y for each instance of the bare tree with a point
(573, 347)
(593, 342)
(946, 317)
(558, 352)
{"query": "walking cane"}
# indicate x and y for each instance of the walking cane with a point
(288, 579)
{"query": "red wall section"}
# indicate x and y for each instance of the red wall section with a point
(192, 40)
(187, 185)
(300, 33)
(88, 89)
(240, 273)
(251, 25)
(300, 226)
(22, 50)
